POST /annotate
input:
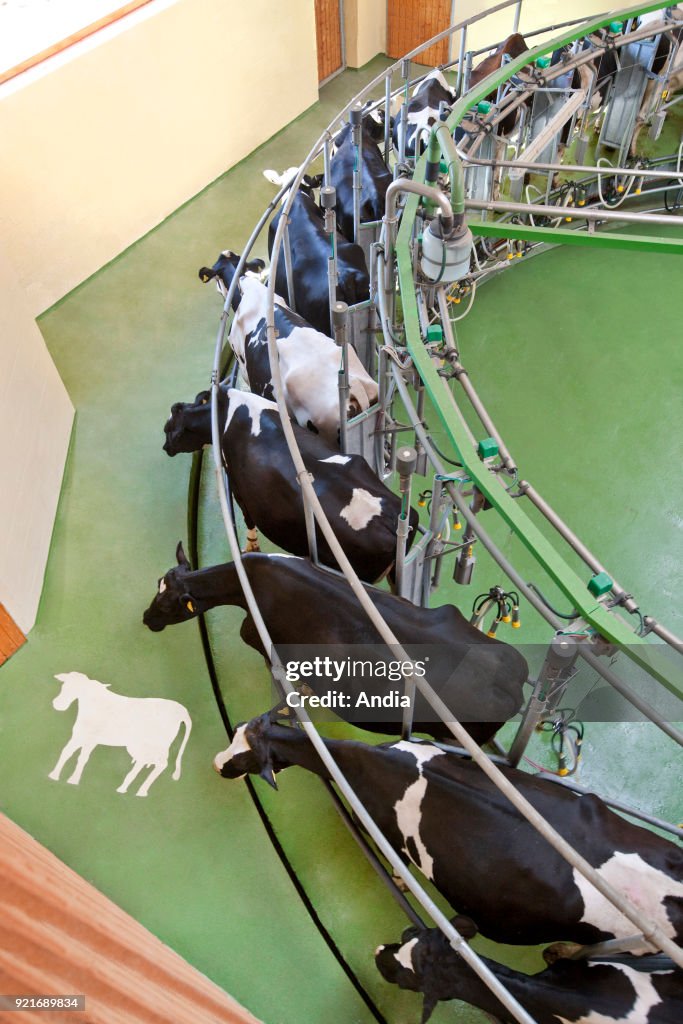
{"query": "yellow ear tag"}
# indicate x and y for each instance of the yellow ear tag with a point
(189, 606)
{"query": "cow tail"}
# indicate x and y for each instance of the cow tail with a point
(187, 722)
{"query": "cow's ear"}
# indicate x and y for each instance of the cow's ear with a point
(428, 1007)
(206, 274)
(281, 710)
(187, 601)
(256, 266)
(268, 775)
(181, 557)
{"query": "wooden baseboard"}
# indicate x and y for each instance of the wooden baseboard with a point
(63, 937)
(11, 637)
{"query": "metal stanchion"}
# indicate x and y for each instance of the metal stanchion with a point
(340, 314)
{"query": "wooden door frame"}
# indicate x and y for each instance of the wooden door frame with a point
(342, 27)
(450, 38)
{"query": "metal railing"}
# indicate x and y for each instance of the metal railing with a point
(315, 516)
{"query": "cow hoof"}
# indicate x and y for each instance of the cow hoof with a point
(560, 951)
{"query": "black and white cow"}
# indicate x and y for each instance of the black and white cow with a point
(309, 361)
(375, 175)
(424, 107)
(478, 678)
(362, 510)
(444, 814)
(310, 249)
(626, 991)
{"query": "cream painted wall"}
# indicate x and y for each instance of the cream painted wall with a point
(100, 147)
(35, 425)
(365, 23)
(535, 14)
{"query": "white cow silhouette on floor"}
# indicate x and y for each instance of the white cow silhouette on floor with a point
(145, 726)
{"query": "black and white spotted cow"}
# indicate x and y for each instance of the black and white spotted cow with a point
(375, 175)
(424, 107)
(309, 361)
(362, 510)
(631, 990)
(479, 678)
(310, 249)
(441, 811)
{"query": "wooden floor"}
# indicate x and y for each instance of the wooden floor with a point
(11, 637)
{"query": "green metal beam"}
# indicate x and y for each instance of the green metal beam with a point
(488, 85)
(572, 586)
(567, 236)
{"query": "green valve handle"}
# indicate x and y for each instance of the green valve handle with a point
(600, 584)
(616, 27)
(483, 107)
(443, 167)
(487, 448)
(434, 333)
(543, 62)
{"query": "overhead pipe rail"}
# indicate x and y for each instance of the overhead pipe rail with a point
(315, 515)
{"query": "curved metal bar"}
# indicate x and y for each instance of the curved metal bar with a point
(649, 930)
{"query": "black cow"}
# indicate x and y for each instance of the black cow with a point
(479, 678)
(362, 510)
(443, 813)
(375, 175)
(310, 249)
(309, 360)
(640, 991)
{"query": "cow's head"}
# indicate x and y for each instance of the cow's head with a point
(374, 121)
(250, 752)
(173, 601)
(424, 961)
(188, 428)
(223, 272)
(308, 184)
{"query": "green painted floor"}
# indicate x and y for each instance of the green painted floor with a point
(577, 356)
